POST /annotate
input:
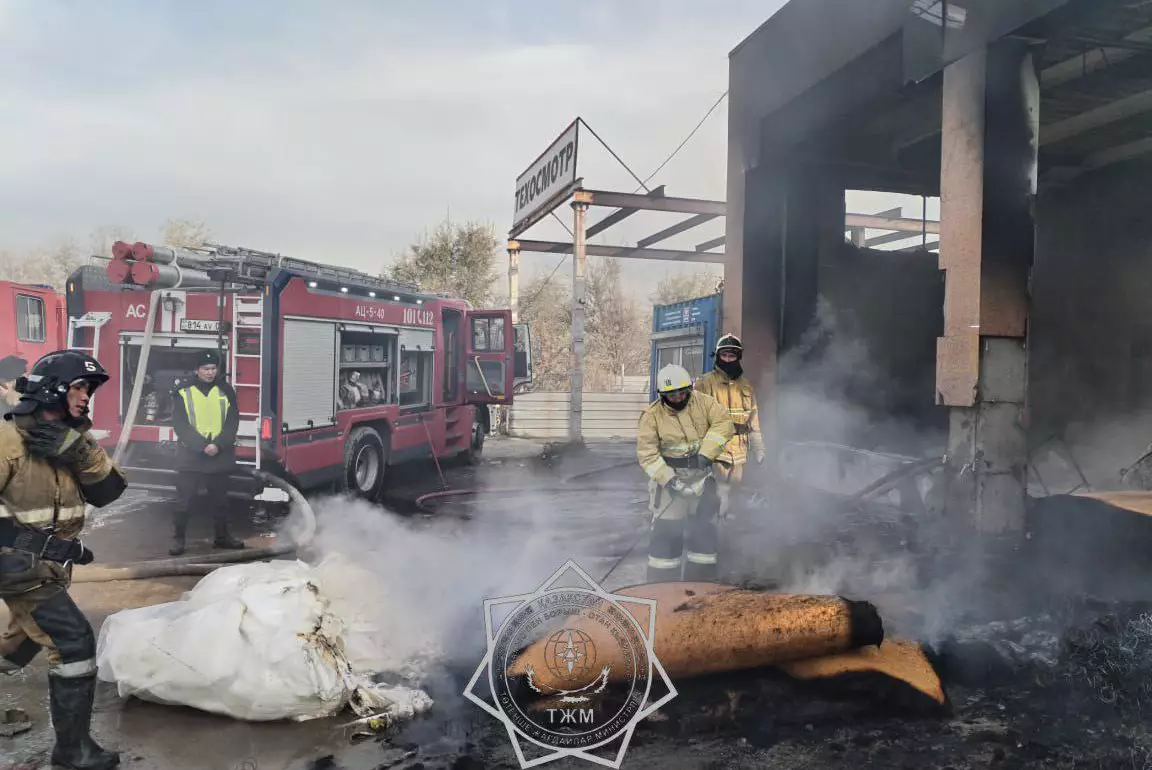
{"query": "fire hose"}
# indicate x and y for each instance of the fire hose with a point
(202, 565)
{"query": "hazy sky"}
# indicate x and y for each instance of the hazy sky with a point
(340, 130)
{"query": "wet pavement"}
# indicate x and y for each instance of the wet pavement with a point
(1017, 724)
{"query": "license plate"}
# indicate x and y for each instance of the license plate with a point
(195, 325)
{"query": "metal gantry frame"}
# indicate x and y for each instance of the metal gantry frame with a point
(700, 211)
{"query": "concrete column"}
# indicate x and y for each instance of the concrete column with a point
(988, 190)
(579, 212)
(514, 280)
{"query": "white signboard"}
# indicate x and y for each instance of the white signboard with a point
(548, 176)
(194, 325)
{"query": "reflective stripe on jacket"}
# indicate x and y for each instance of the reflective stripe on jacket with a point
(738, 397)
(703, 427)
(38, 494)
(206, 412)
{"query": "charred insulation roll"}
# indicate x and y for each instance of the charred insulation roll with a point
(899, 660)
(705, 628)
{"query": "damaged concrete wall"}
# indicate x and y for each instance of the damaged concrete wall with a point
(1091, 317)
(874, 342)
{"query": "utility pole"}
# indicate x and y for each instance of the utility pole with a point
(580, 203)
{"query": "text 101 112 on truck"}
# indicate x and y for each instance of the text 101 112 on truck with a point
(338, 374)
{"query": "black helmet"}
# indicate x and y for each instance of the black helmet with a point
(48, 383)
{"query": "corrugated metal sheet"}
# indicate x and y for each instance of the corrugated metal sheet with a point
(605, 415)
(309, 373)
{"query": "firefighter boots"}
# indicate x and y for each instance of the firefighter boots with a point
(70, 701)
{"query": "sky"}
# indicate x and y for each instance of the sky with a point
(341, 131)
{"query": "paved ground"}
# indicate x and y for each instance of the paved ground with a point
(521, 537)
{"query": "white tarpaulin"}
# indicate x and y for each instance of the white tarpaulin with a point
(258, 642)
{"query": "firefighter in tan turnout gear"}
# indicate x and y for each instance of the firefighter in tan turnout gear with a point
(49, 469)
(679, 436)
(728, 385)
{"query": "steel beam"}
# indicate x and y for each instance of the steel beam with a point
(880, 240)
(706, 245)
(1094, 60)
(675, 229)
(623, 252)
(617, 217)
(876, 222)
(620, 200)
(1097, 118)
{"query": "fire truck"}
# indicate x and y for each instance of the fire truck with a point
(339, 375)
(31, 321)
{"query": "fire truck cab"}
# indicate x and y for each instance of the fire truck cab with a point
(339, 375)
(31, 321)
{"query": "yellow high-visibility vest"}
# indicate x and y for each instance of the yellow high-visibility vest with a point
(206, 412)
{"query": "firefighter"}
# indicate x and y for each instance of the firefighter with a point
(11, 367)
(49, 468)
(728, 385)
(205, 418)
(679, 436)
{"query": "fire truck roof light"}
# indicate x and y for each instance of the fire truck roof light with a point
(343, 289)
(311, 284)
(396, 297)
(371, 294)
(419, 302)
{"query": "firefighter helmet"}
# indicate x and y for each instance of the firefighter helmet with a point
(673, 378)
(51, 377)
(730, 342)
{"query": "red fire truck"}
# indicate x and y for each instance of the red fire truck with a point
(339, 374)
(31, 321)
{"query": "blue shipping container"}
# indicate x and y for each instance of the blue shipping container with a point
(684, 333)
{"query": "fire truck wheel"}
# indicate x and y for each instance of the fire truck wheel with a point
(365, 459)
(475, 449)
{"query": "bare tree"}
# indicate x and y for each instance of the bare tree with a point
(684, 286)
(101, 239)
(616, 332)
(547, 307)
(457, 259)
(185, 232)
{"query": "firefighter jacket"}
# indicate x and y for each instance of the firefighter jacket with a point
(204, 414)
(667, 438)
(38, 493)
(739, 398)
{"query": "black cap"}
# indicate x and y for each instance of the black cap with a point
(12, 367)
(207, 358)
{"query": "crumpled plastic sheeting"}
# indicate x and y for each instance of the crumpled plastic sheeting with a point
(256, 642)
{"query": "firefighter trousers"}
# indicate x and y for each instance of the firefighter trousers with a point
(684, 540)
(42, 616)
(728, 477)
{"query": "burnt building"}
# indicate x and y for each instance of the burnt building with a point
(1032, 122)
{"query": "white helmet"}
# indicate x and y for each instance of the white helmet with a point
(671, 378)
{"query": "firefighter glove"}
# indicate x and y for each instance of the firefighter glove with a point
(52, 440)
(703, 463)
(679, 488)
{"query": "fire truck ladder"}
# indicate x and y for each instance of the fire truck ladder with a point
(252, 266)
(91, 321)
(248, 319)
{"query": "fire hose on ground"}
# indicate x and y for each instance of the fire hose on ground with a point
(202, 565)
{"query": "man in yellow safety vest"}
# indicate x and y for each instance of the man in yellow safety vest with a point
(205, 418)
